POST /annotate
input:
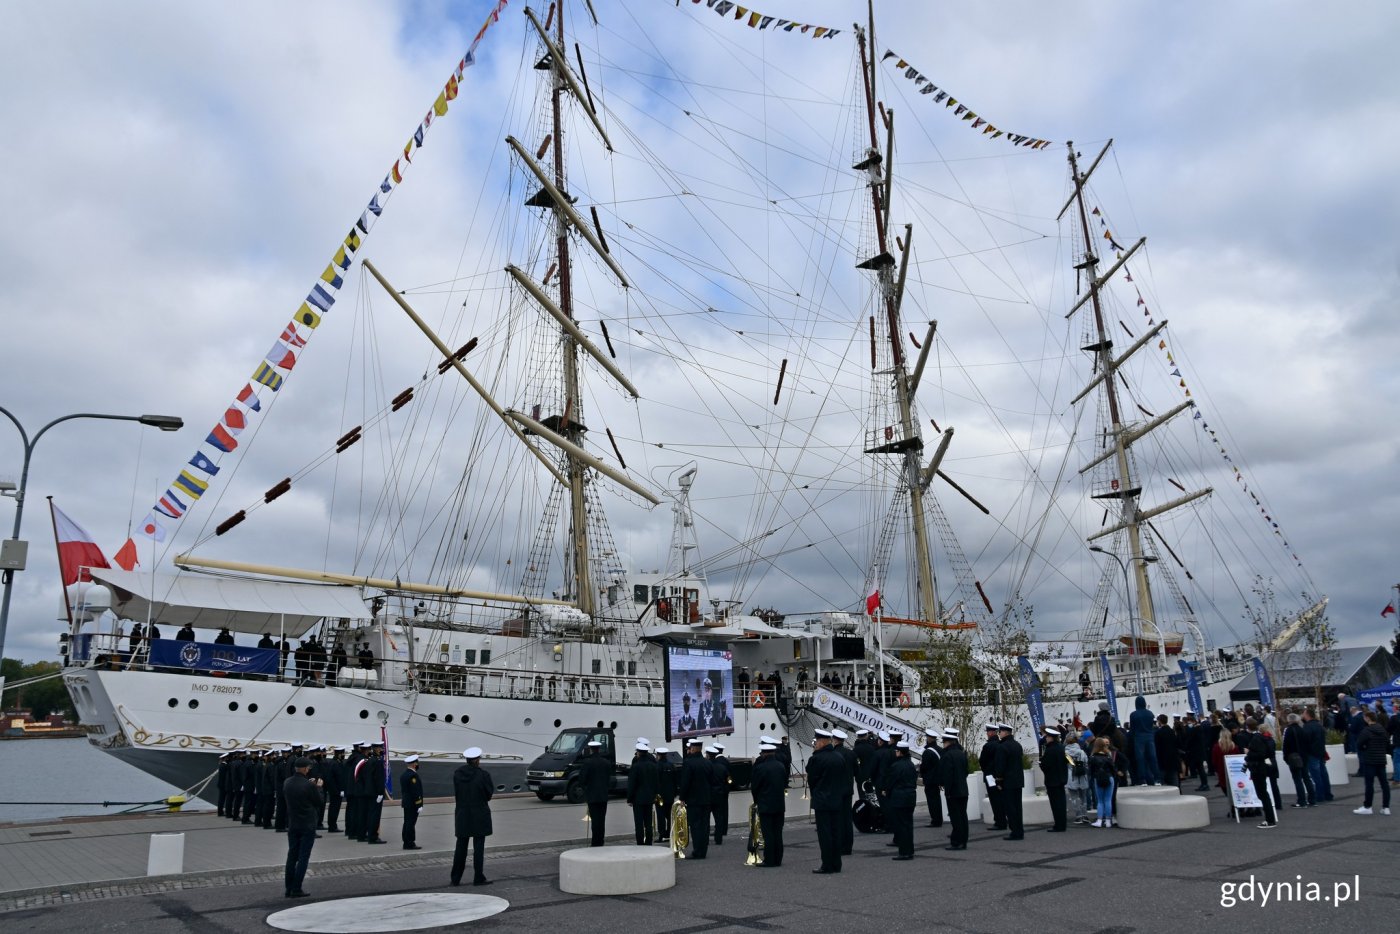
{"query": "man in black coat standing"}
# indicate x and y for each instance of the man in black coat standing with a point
(354, 802)
(643, 783)
(472, 787)
(665, 792)
(595, 776)
(931, 771)
(953, 779)
(768, 786)
(986, 761)
(411, 791)
(847, 821)
(1259, 760)
(1010, 780)
(693, 786)
(899, 786)
(334, 786)
(225, 782)
(828, 777)
(1055, 766)
(303, 806)
(719, 791)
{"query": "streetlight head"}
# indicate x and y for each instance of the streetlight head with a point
(1148, 559)
(7, 486)
(1097, 549)
(163, 422)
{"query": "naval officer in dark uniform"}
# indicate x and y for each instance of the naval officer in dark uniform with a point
(665, 792)
(643, 783)
(304, 801)
(768, 785)
(847, 822)
(1056, 768)
(828, 777)
(693, 787)
(931, 771)
(595, 775)
(898, 793)
(953, 778)
(719, 791)
(411, 790)
(1010, 780)
(472, 787)
(986, 761)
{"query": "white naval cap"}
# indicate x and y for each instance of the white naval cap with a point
(409, 760)
(643, 747)
(594, 744)
(1005, 726)
(643, 741)
(839, 734)
(767, 747)
(1051, 731)
(712, 750)
(862, 732)
(824, 733)
(719, 747)
(901, 745)
(694, 741)
(951, 733)
(885, 737)
(767, 739)
(662, 750)
(472, 753)
(990, 727)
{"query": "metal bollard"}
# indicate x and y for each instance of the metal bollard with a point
(167, 856)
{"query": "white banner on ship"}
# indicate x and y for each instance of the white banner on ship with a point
(840, 707)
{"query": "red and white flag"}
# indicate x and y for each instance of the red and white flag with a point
(1389, 610)
(872, 602)
(76, 550)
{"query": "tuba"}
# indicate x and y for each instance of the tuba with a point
(680, 829)
(755, 856)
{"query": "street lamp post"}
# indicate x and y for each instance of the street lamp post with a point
(1128, 595)
(163, 422)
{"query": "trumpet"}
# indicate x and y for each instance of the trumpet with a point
(680, 829)
(755, 856)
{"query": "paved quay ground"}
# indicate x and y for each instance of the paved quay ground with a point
(1087, 880)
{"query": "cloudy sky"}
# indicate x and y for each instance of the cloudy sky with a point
(180, 174)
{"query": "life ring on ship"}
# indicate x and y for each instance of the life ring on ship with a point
(904, 700)
(756, 698)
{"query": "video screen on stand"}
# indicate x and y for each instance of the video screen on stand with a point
(699, 692)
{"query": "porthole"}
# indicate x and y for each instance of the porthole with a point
(600, 724)
(529, 721)
(364, 714)
(233, 705)
(172, 703)
(466, 719)
(613, 726)
(432, 718)
(291, 708)
(194, 703)
(558, 723)
(310, 711)
(252, 708)
(447, 719)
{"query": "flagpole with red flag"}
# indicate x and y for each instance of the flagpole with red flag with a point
(58, 549)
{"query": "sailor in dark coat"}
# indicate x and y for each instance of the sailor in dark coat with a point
(986, 761)
(768, 784)
(899, 784)
(350, 790)
(665, 792)
(303, 796)
(334, 778)
(225, 783)
(719, 791)
(595, 775)
(252, 771)
(643, 781)
(472, 787)
(931, 770)
(953, 779)
(1055, 767)
(273, 772)
(411, 792)
(278, 801)
(847, 823)
(693, 787)
(784, 753)
(1010, 780)
(828, 777)
(864, 749)
(372, 776)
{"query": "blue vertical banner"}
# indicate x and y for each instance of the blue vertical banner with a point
(1193, 688)
(1266, 687)
(388, 768)
(1030, 686)
(1108, 693)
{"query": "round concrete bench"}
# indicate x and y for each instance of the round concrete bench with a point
(1159, 812)
(1035, 809)
(1148, 791)
(616, 870)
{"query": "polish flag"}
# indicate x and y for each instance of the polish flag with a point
(872, 602)
(76, 550)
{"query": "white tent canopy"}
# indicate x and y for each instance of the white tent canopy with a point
(241, 604)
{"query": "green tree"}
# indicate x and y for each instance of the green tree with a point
(44, 697)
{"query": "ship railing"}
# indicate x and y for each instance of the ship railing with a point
(466, 681)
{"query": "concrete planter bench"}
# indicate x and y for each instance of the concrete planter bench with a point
(1162, 812)
(616, 870)
(1035, 809)
(1337, 771)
